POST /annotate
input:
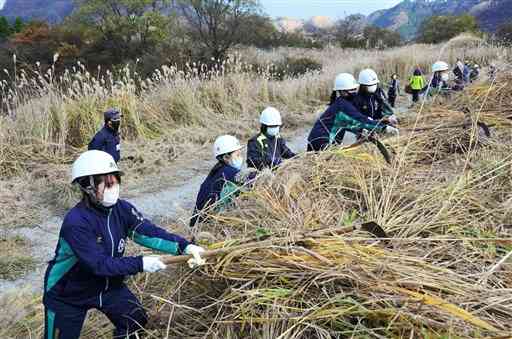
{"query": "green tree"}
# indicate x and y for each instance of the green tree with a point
(298, 39)
(375, 37)
(217, 25)
(18, 25)
(5, 29)
(123, 28)
(441, 28)
(260, 31)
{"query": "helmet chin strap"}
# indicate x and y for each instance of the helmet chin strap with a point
(91, 191)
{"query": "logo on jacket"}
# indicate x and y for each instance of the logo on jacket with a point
(137, 215)
(121, 246)
(99, 240)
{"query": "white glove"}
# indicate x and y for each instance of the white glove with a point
(393, 120)
(392, 131)
(195, 252)
(152, 264)
(365, 133)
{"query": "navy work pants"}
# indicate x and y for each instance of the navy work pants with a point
(65, 321)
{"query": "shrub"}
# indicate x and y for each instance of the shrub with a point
(504, 34)
(437, 29)
(294, 67)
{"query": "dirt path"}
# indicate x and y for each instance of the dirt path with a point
(174, 202)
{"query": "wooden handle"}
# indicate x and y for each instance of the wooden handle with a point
(180, 259)
(172, 260)
(431, 128)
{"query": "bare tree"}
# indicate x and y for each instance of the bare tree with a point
(218, 24)
(349, 31)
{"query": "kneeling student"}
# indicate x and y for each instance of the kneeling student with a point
(342, 122)
(268, 149)
(89, 266)
(223, 182)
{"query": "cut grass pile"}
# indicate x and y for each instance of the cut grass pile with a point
(445, 272)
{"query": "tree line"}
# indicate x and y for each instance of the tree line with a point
(150, 33)
(7, 29)
(109, 33)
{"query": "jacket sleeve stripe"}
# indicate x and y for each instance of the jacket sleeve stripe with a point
(64, 261)
(157, 244)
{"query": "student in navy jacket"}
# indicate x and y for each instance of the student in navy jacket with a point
(267, 149)
(341, 116)
(371, 99)
(223, 182)
(89, 266)
(107, 139)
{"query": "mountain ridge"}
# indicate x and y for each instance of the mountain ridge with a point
(407, 16)
(53, 11)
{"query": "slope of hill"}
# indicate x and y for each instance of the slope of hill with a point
(47, 10)
(498, 13)
(408, 15)
(313, 24)
(287, 24)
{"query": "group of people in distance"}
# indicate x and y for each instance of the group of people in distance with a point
(441, 83)
(89, 266)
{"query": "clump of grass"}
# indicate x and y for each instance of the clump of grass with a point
(292, 67)
(14, 260)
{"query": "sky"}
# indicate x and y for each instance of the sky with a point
(2, 3)
(304, 9)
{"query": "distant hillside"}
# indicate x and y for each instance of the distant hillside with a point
(47, 10)
(499, 13)
(314, 23)
(407, 16)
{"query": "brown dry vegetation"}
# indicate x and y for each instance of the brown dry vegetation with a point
(445, 200)
(176, 112)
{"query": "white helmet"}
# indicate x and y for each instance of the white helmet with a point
(226, 144)
(345, 82)
(271, 117)
(93, 163)
(368, 77)
(440, 66)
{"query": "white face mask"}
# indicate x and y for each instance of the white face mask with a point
(273, 131)
(372, 89)
(110, 195)
(237, 163)
(445, 77)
